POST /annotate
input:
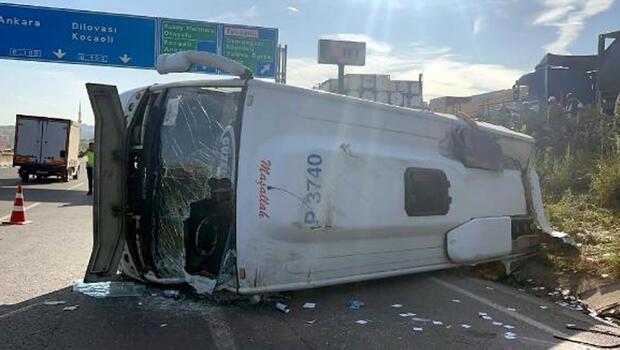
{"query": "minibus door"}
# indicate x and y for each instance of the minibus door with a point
(109, 183)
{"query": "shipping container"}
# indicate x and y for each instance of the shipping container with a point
(368, 95)
(414, 88)
(397, 98)
(353, 93)
(353, 82)
(330, 85)
(382, 83)
(382, 96)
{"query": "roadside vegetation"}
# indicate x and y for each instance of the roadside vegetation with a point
(578, 161)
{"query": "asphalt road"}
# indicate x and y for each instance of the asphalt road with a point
(39, 262)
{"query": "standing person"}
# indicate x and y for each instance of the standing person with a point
(90, 163)
(572, 107)
(556, 126)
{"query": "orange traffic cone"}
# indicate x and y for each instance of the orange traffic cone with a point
(18, 215)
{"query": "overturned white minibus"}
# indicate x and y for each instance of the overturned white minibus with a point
(254, 187)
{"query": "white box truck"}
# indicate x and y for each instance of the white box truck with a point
(46, 147)
(256, 187)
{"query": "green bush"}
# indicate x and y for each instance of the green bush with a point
(606, 182)
(565, 174)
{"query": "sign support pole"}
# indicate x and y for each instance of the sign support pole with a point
(341, 79)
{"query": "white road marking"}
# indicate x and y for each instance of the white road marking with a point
(533, 300)
(523, 318)
(36, 204)
(75, 186)
(20, 310)
(6, 217)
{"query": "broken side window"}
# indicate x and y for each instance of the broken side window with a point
(474, 147)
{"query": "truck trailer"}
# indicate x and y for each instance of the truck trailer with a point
(254, 187)
(46, 147)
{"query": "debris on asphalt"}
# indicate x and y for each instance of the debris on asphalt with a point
(283, 307)
(418, 329)
(456, 301)
(54, 302)
(355, 304)
(437, 323)
(109, 289)
(309, 305)
(361, 321)
(466, 326)
(510, 336)
(170, 293)
(70, 308)
(396, 306)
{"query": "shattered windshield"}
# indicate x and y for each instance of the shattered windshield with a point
(197, 157)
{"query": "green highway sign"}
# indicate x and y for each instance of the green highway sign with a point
(254, 47)
(189, 36)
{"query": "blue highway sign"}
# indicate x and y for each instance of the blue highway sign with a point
(68, 36)
(83, 37)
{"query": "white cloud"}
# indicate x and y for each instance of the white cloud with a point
(478, 24)
(247, 16)
(444, 72)
(293, 9)
(569, 17)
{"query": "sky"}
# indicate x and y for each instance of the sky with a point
(462, 47)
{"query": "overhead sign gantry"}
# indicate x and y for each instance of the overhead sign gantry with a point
(96, 38)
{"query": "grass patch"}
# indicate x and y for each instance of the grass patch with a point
(606, 182)
(595, 229)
